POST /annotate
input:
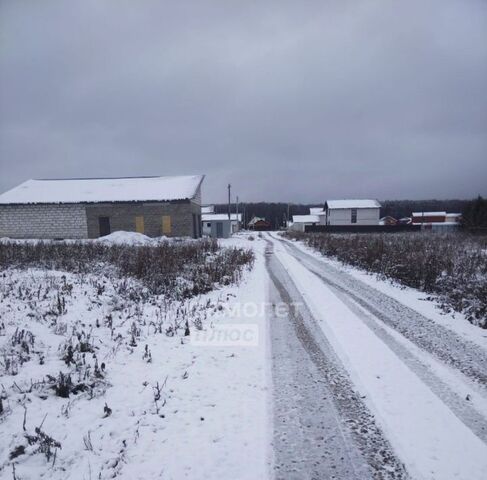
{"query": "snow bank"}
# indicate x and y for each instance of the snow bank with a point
(126, 238)
(6, 240)
(119, 237)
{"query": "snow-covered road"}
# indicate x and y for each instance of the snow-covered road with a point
(364, 383)
(323, 429)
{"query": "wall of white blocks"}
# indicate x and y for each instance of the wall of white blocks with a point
(43, 221)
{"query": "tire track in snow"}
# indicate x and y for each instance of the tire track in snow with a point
(474, 420)
(444, 344)
(323, 429)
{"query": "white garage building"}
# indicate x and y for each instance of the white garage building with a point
(300, 222)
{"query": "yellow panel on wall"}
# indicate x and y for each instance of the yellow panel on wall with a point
(166, 224)
(139, 224)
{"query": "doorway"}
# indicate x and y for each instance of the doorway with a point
(219, 229)
(104, 225)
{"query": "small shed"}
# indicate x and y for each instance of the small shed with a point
(219, 225)
(301, 221)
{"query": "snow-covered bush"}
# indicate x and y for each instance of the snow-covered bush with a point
(178, 269)
(452, 267)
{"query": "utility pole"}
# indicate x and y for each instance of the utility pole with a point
(229, 188)
(236, 206)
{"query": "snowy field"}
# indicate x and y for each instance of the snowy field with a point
(109, 369)
(100, 379)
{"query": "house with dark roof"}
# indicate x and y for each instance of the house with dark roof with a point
(259, 224)
(93, 207)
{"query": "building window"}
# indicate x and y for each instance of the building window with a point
(139, 224)
(208, 224)
(354, 215)
(166, 224)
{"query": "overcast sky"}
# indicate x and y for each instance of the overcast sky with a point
(287, 100)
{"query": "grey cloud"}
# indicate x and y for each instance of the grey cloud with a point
(286, 100)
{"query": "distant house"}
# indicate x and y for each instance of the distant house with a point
(219, 225)
(428, 217)
(453, 218)
(351, 212)
(207, 209)
(259, 223)
(437, 221)
(388, 220)
(94, 207)
(316, 210)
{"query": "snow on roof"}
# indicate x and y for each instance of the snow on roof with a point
(218, 217)
(208, 209)
(316, 210)
(429, 214)
(306, 219)
(453, 215)
(335, 204)
(96, 190)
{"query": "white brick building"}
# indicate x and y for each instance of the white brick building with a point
(90, 208)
